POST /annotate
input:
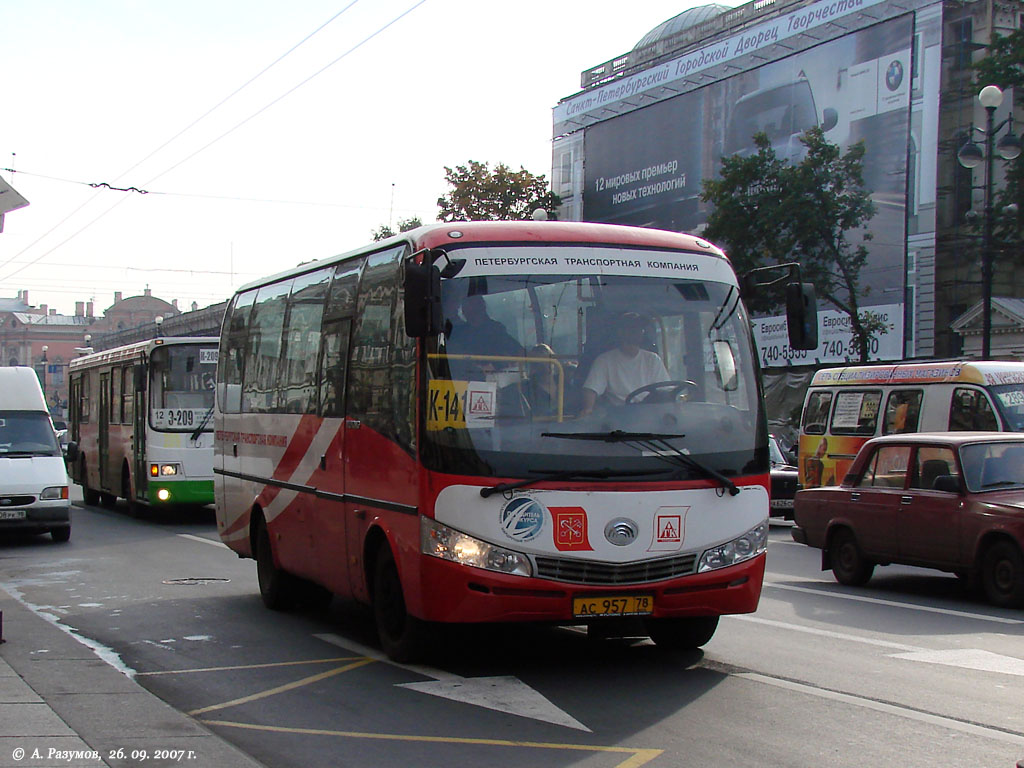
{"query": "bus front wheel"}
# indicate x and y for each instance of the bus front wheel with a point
(401, 635)
(683, 634)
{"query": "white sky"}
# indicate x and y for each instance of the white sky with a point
(92, 88)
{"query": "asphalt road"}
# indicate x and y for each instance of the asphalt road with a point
(908, 671)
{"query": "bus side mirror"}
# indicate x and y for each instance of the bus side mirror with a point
(422, 299)
(140, 378)
(802, 315)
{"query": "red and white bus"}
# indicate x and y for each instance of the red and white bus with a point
(141, 422)
(367, 443)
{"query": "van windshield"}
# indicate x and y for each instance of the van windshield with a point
(1010, 398)
(27, 433)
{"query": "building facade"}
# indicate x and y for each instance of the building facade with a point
(635, 144)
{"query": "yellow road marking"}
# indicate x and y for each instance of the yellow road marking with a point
(637, 757)
(283, 688)
(247, 666)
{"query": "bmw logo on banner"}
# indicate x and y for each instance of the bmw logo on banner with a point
(522, 519)
(894, 75)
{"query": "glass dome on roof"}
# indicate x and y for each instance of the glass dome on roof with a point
(688, 18)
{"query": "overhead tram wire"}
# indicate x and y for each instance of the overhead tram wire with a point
(188, 127)
(211, 143)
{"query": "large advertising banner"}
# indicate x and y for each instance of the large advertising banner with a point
(646, 167)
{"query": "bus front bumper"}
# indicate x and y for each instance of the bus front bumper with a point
(180, 492)
(461, 594)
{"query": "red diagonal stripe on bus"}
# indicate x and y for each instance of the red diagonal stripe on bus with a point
(293, 455)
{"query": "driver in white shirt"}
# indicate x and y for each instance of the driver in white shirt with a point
(624, 368)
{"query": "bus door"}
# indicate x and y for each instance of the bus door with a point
(332, 545)
(104, 436)
(140, 375)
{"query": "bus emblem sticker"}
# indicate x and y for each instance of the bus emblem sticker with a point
(570, 529)
(669, 529)
(621, 532)
(522, 519)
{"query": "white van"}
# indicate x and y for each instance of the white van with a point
(33, 477)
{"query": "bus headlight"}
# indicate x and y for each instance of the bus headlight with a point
(441, 541)
(54, 492)
(164, 470)
(750, 544)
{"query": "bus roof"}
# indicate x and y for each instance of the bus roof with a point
(134, 351)
(974, 372)
(463, 232)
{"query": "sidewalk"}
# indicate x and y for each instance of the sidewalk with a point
(61, 705)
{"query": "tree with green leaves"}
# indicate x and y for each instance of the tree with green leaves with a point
(384, 231)
(479, 194)
(770, 211)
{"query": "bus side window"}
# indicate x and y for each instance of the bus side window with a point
(262, 385)
(333, 362)
(969, 410)
(231, 363)
(902, 411)
(127, 395)
(334, 341)
(305, 311)
(816, 413)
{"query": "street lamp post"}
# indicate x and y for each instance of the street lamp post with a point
(971, 156)
(43, 382)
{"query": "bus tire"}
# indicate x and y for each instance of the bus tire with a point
(849, 565)
(683, 634)
(126, 492)
(1002, 574)
(276, 588)
(89, 496)
(401, 635)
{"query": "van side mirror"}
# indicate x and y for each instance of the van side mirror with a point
(72, 452)
(422, 283)
(802, 315)
(139, 373)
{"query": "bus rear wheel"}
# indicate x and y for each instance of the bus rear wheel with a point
(276, 588)
(683, 634)
(89, 496)
(401, 636)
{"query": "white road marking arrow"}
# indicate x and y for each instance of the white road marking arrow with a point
(503, 694)
(969, 658)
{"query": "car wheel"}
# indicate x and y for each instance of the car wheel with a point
(61, 535)
(276, 588)
(401, 636)
(685, 634)
(1002, 575)
(849, 566)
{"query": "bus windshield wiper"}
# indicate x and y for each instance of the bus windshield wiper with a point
(566, 474)
(655, 442)
(202, 424)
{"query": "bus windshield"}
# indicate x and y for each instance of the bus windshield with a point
(182, 381)
(508, 380)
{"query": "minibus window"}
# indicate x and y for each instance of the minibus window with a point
(902, 411)
(816, 413)
(856, 413)
(970, 411)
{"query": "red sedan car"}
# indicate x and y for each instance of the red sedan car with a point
(953, 501)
